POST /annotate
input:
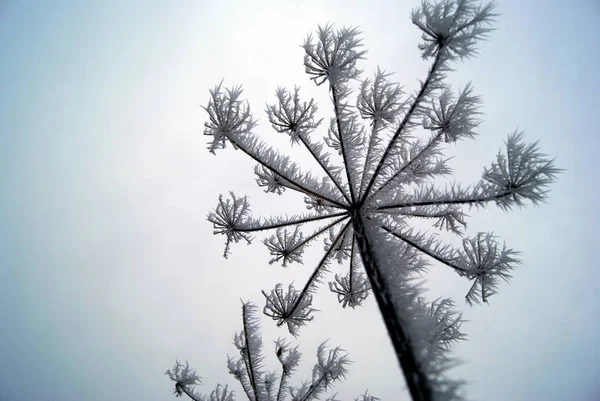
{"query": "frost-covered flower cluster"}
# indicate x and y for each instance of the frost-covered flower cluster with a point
(184, 377)
(377, 161)
(259, 384)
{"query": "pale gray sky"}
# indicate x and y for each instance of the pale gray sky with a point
(109, 270)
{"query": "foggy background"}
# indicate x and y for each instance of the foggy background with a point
(109, 270)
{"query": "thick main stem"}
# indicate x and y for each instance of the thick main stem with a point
(416, 380)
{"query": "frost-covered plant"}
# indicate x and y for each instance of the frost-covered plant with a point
(259, 384)
(378, 164)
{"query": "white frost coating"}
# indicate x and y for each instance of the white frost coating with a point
(391, 146)
(260, 385)
(351, 291)
(431, 328)
(289, 307)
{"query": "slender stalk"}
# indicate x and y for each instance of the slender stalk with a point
(338, 121)
(246, 389)
(300, 186)
(290, 223)
(403, 124)
(187, 392)
(424, 215)
(284, 376)
(352, 262)
(407, 165)
(313, 388)
(424, 250)
(250, 365)
(372, 139)
(316, 272)
(329, 174)
(459, 201)
(318, 232)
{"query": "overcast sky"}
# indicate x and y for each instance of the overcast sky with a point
(109, 270)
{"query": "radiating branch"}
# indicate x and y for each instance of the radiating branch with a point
(432, 142)
(338, 120)
(287, 177)
(325, 167)
(273, 223)
(426, 250)
(314, 277)
(288, 247)
(405, 122)
(456, 201)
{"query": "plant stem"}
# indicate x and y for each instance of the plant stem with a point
(416, 380)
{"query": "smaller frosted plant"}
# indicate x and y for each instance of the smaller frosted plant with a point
(259, 384)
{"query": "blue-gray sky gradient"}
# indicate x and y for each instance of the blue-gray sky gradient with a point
(109, 270)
